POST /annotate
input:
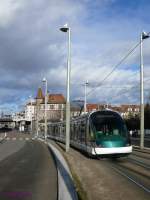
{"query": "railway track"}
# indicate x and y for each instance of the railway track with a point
(140, 163)
(133, 168)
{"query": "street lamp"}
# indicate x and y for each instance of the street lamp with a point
(45, 81)
(65, 28)
(85, 95)
(31, 111)
(142, 37)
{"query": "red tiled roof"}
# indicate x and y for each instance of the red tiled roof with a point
(91, 107)
(56, 98)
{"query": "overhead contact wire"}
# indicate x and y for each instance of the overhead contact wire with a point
(116, 66)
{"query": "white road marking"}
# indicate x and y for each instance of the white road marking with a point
(14, 138)
(27, 138)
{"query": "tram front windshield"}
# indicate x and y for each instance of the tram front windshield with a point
(108, 123)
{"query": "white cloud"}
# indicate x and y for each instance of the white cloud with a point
(32, 47)
(8, 9)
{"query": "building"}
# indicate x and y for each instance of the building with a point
(30, 110)
(19, 116)
(126, 110)
(130, 110)
(6, 123)
(55, 107)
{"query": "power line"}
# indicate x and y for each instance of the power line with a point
(115, 67)
(129, 89)
(147, 80)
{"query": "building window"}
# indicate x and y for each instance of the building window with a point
(42, 107)
(51, 106)
(59, 106)
(129, 109)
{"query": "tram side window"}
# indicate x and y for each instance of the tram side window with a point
(71, 131)
(63, 130)
(82, 131)
(79, 132)
(59, 130)
(53, 130)
(75, 132)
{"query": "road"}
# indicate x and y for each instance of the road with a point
(27, 169)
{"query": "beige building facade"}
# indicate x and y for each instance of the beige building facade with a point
(55, 107)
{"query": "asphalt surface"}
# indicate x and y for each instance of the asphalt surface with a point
(28, 171)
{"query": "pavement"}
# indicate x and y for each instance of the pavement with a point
(27, 170)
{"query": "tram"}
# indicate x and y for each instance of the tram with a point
(99, 133)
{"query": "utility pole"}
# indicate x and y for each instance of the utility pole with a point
(142, 37)
(31, 112)
(85, 95)
(37, 120)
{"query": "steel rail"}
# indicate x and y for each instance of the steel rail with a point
(142, 151)
(141, 155)
(122, 171)
(140, 163)
(131, 179)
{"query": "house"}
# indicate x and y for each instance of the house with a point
(30, 110)
(125, 110)
(55, 106)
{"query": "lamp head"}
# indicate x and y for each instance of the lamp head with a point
(65, 28)
(44, 80)
(145, 35)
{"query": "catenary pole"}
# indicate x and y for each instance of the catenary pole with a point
(142, 37)
(85, 95)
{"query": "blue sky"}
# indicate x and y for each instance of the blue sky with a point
(103, 31)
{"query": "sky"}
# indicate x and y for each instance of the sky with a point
(102, 33)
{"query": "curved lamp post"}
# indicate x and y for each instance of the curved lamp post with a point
(45, 110)
(66, 29)
(31, 112)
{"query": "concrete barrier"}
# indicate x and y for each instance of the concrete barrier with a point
(66, 188)
(3, 136)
